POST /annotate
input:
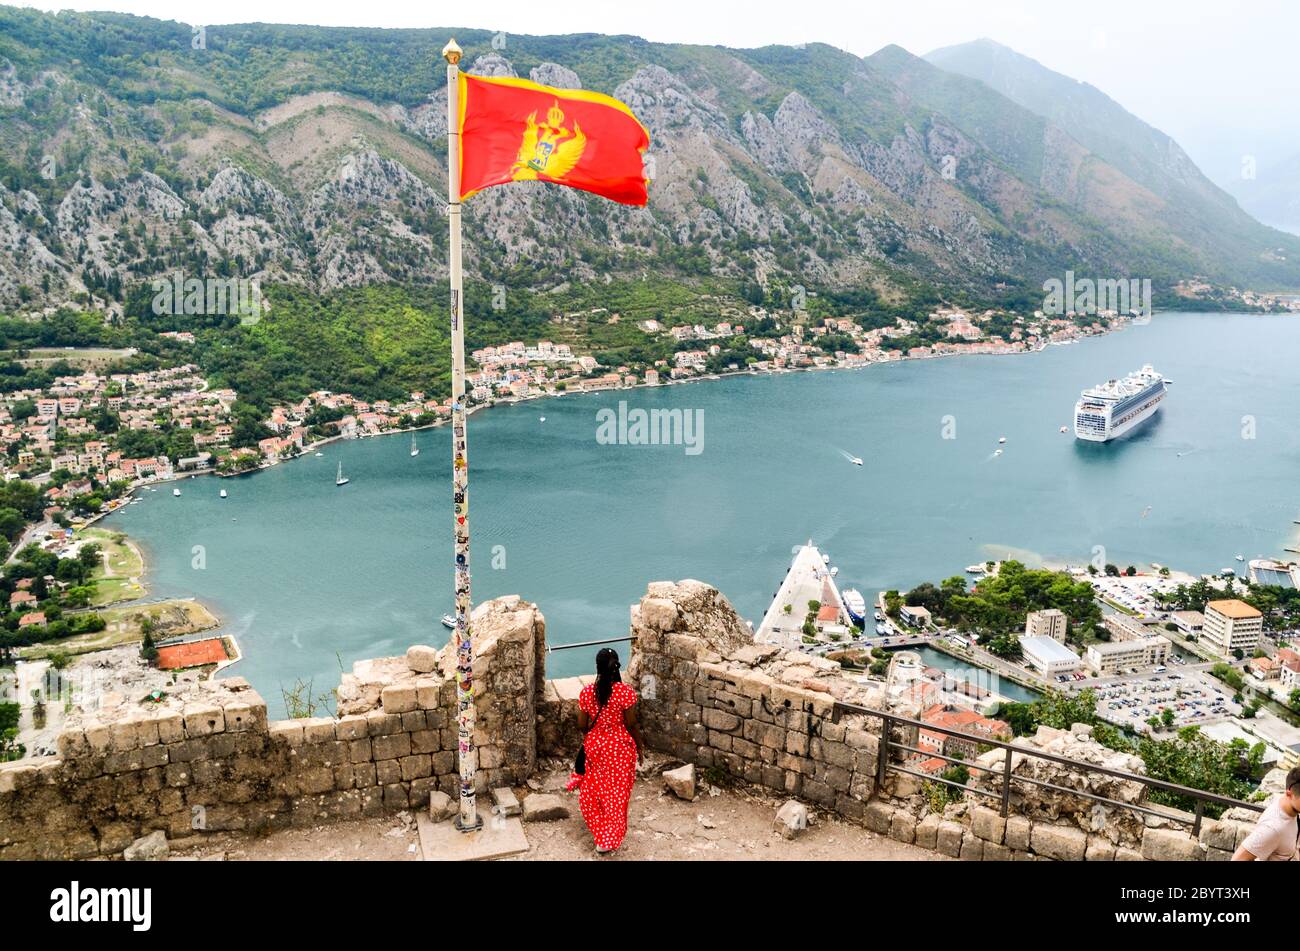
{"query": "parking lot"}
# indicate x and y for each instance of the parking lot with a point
(1135, 593)
(1195, 697)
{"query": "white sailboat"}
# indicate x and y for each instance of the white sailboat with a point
(415, 450)
(340, 479)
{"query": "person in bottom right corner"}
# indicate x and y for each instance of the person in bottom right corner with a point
(1277, 834)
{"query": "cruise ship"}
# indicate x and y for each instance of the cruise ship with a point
(1113, 408)
(854, 604)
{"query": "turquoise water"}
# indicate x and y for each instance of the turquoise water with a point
(963, 671)
(308, 575)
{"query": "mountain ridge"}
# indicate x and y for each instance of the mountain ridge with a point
(316, 157)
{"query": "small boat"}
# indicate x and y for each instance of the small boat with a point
(1002, 440)
(415, 450)
(997, 452)
(1241, 558)
(341, 479)
(176, 491)
(448, 622)
(223, 493)
(976, 569)
(542, 419)
(1065, 429)
(320, 453)
(881, 629)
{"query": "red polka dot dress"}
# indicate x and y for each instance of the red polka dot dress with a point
(606, 787)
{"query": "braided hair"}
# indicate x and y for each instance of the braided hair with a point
(607, 674)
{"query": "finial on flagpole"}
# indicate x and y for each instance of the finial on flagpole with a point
(451, 52)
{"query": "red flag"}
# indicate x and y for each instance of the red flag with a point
(513, 130)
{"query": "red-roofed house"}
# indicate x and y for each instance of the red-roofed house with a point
(33, 619)
(965, 721)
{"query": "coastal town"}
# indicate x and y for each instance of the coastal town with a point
(90, 437)
(1150, 663)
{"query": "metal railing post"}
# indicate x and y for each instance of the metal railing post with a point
(1006, 784)
(882, 761)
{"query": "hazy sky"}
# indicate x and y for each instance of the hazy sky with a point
(1221, 78)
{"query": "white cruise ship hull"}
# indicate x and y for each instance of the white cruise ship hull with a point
(1094, 423)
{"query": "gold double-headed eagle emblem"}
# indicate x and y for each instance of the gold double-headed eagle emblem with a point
(548, 149)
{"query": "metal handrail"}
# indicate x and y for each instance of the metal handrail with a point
(883, 766)
(551, 648)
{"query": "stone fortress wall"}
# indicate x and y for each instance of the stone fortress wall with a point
(211, 761)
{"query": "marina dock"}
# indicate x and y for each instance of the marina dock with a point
(809, 579)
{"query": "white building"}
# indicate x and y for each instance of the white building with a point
(1232, 625)
(1050, 623)
(1124, 628)
(915, 615)
(1049, 656)
(1114, 657)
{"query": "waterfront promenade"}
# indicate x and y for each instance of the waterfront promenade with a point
(804, 582)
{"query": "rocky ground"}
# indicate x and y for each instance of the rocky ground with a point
(721, 823)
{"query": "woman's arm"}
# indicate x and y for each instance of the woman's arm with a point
(584, 721)
(633, 727)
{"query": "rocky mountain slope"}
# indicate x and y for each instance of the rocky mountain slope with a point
(133, 147)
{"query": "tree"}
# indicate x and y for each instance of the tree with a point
(1167, 718)
(148, 650)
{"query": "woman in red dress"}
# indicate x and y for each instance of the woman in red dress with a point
(607, 715)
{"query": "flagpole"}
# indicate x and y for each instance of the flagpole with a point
(468, 819)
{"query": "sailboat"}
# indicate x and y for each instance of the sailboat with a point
(415, 450)
(340, 479)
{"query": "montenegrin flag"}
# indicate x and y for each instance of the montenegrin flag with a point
(512, 130)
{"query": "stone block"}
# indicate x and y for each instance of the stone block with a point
(879, 817)
(721, 720)
(317, 730)
(505, 801)
(352, 727)
(1058, 842)
(203, 718)
(289, 731)
(422, 659)
(399, 698)
(1170, 845)
(1099, 850)
(948, 838)
(903, 827)
(988, 824)
(791, 819)
(927, 831)
(1017, 833)
(544, 807)
(391, 746)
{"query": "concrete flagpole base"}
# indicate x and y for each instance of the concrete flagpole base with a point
(497, 838)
